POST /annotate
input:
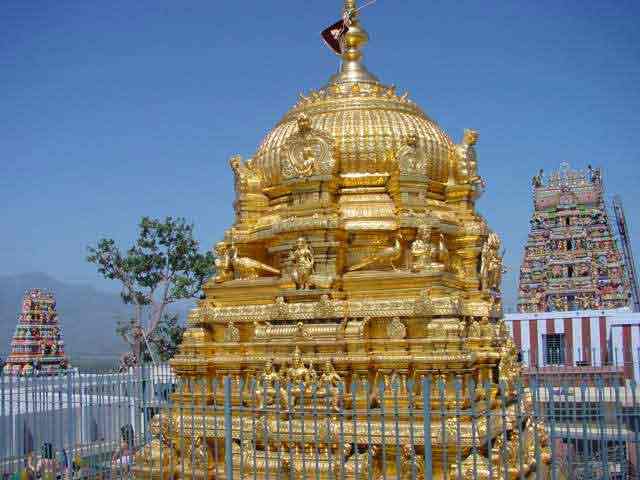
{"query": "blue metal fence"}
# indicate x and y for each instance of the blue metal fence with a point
(92, 426)
(77, 416)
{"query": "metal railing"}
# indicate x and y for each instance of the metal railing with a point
(92, 426)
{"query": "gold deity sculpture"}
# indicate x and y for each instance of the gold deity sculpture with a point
(467, 164)
(266, 391)
(421, 249)
(356, 248)
(302, 260)
(491, 268)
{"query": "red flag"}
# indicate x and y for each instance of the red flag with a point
(333, 35)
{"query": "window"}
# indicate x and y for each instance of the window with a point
(573, 409)
(553, 348)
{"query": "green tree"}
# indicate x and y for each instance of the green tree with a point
(162, 267)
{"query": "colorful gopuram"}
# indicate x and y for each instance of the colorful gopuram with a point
(357, 251)
(571, 259)
(37, 347)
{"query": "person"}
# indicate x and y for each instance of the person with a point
(123, 456)
(63, 463)
(47, 466)
(77, 466)
(31, 466)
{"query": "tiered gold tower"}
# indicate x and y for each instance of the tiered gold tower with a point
(356, 249)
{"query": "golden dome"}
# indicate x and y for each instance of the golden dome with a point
(367, 121)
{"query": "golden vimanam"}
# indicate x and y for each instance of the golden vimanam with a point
(356, 250)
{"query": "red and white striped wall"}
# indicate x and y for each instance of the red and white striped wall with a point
(599, 337)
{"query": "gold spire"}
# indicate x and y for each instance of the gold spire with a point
(352, 70)
(350, 7)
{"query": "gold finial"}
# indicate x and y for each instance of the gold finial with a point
(352, 70)
(350, 6)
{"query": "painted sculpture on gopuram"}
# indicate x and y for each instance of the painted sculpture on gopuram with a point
(357, 267)
(571, 259)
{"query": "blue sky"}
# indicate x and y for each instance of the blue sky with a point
(114, 110)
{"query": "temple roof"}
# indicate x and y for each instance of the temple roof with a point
(368, 122)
